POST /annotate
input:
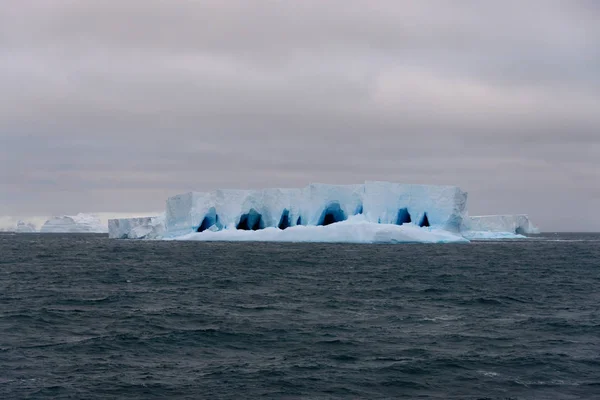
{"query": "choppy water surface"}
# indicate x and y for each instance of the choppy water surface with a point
(82, 316)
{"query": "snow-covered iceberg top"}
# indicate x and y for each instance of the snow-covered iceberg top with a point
(137, 228)
(80, 223)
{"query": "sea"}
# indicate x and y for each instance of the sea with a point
(85, 317)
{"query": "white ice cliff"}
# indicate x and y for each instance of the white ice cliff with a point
(80, 223)
(440, 207)
(137, 228)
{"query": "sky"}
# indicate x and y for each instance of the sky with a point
(115, 105)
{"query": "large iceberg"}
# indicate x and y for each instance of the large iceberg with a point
(137, 228)
(438, 207)
(379, 212)
(498, 227)
(80, 223)
(372, 212)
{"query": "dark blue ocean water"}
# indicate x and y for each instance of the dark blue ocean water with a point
(84, 317)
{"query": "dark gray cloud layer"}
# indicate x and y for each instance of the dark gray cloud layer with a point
(115, 105)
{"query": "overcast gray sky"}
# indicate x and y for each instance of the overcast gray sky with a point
(114, 105)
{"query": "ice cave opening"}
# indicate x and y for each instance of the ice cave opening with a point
(210, 219)
(403, 217)
(424, 221)
(299, 221)
(284, 221)
(251, 221)
(331, 214)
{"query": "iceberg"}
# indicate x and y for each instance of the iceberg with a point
(80, 223)
(485, 227)
(137, 228)
(371, 212)
(25, 227)
(439, 207)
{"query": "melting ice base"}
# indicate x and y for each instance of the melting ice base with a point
(355, 229)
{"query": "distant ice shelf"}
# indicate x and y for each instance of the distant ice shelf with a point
(25, 227)
(80, 223)
(489, 227)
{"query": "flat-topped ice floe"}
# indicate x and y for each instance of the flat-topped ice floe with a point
(80, 223)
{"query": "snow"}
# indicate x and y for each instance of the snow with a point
(80, 223)
(378, 202)
(137, 228)
(356, 229)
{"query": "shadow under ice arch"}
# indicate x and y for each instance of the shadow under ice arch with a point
(210, 219)
(251, 221)
(331, 214)
(403, 217)
(284, 221)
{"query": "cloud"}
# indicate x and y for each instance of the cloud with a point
(114, 105)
